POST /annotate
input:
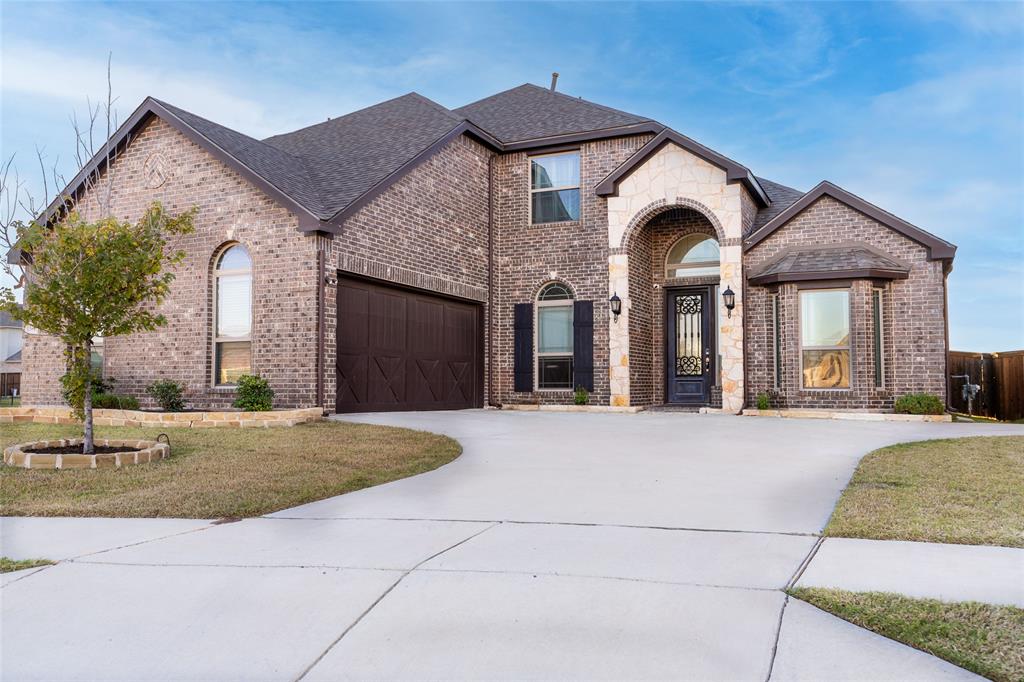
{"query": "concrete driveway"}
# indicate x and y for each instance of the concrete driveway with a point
(585, 546)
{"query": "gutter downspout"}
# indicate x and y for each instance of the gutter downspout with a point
(320, 298)
(490, 280)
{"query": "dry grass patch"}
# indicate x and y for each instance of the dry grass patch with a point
(11, 565)
(218, 473)
(983, 638)
(966, 491)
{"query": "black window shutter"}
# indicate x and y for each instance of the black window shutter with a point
(524, 347)
(583, 344)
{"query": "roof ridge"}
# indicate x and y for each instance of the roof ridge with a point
(587, 101)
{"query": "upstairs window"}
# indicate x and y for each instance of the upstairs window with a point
(555, 188)
(554, 337)
(825, 338)
(695, 255)
(233, 318)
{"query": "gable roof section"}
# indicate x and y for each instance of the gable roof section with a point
(851, 260)
(531, 116)
(937, 248)
(734, 172)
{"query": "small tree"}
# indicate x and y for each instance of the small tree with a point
(90, 279)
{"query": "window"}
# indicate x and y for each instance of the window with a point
(555, 188)
(825, 338)
(96, 356)
(777, 340)
(554, 337)
(695, 255)
(233, 316)
(879, 339)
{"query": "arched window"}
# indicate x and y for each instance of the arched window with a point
(554, 337)
(232, 315)
(695, 255)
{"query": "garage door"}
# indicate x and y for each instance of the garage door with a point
(399, 350)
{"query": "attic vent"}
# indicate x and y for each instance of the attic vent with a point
(554, 80)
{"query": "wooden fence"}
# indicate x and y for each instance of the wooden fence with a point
(1001, 377)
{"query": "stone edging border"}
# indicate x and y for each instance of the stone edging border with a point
(851, 416)
(187, 420)
(21, 455)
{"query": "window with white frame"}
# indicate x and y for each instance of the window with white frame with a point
(695, 255)
(555, 187)
(232, 316)
(555, 337)
(825, 338)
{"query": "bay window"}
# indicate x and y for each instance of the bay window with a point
(825, 338)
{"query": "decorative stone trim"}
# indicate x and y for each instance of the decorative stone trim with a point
(850, 416)
(22, 455)
(186, 420)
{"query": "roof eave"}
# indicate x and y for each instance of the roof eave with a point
(826, 275)
(938, 249)
(734, 172)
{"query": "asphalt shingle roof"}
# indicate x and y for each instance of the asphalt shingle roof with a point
(348, 155)
(843, 258)
(529, 112)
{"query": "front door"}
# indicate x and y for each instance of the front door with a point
(689, 345)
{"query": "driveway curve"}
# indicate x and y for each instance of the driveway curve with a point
(558, 546)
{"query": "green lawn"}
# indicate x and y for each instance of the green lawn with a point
(965, 491)
(221, 472)
(985, 639)
(10, 565)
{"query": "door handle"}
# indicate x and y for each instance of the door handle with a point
(707, 359)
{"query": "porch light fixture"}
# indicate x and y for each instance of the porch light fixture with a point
(729, 297)
(616, 305)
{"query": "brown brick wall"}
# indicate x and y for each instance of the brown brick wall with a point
(527, 256)
(648, 249)
(229, 209)
(914, 316)
(428, 231)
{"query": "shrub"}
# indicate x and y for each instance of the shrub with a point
(113, 401)
(919, 403)
(254, 394)
(581, 396)
(763, 401)
(167, 395)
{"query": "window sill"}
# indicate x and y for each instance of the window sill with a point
(557, 223)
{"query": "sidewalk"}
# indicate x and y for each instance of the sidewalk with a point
(919, 569)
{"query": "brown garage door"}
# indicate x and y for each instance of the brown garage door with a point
(399, 350)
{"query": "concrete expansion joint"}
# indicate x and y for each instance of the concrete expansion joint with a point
(384, 594)
(135, 544)
(805, 563)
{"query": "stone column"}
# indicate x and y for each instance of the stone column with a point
(618, 331)
(730, 331)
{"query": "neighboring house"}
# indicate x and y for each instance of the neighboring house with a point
(10, 353)
(408, 256)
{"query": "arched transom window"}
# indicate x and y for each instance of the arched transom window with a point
(554, 337)
(233, 315)
(695, 255)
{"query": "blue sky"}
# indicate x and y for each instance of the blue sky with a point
(918, 107)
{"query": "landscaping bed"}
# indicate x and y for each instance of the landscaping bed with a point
(983, 638)
(220, 473)
(962, 491)
(193, 419)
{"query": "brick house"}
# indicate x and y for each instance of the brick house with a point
(408, 256)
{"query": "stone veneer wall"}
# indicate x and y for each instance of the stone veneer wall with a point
(914, 315)
(427, 231)
(162, 165)
(675, 177)
(576, 253)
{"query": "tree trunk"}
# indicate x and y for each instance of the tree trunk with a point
(88, 447)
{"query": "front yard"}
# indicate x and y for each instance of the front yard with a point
(966, 491)
(221, 473)
(983, 638)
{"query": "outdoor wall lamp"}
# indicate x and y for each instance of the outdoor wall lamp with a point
(729, 297)
(616, 305)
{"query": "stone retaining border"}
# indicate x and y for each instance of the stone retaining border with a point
(186, 420)
(22, 455)
(852, 416)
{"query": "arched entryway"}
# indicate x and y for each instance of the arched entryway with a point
(674, 275)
